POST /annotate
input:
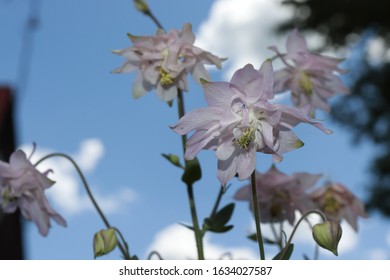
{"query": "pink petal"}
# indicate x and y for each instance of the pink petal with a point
(196, 119)
(217, 94)
(227, 169)
(296, 43)
(246, 164)
(288, 142)
(243, 193)
(225, 149)
(199, 72)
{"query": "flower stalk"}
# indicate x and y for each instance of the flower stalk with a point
(122, 248)
(259, 237)
(190, 192)
(304, 217)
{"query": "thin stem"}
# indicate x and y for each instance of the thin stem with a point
(190, 192)
(296, 227)
(257, 216)
(316, 249)
(123, 240)
(154, 253)
(91, 197)
(216, 205)
(154, 19)
(195, 224)
(181, 113)
(278, 239)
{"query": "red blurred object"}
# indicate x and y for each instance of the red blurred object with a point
(10, 224)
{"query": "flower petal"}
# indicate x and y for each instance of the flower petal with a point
(197, 119)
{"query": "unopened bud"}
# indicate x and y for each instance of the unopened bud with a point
(104, 242)
(327, 235)
(141, 6)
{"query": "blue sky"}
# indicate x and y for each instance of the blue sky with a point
(73, 104)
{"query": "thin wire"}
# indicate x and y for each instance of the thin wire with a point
(26, 50)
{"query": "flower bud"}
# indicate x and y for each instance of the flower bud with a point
(141, 6)
(327, 235)
(104, 242)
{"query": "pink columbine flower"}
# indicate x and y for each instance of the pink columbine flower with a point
(310, 77)
(337, 202)
(22, 186)
(240, 121)
(164, 60)
(280, 195)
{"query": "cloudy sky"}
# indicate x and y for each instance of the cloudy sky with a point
(73, 104)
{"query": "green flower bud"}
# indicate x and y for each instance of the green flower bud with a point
(327, 235)
(104, 242)
(141, 6)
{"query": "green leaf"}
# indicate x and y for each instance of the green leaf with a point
(287, 255)
(192, 172)
(253, 237)
(221, 229)
(223, 216)
(266, 240)
(187, 226)
(174, 159)
(269, 241)
(217, 223)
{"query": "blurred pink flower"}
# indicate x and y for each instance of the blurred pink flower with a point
(280, 195)
(337, 202)
(311, 79)
(239, 121)
(22, 186)
(164, 60)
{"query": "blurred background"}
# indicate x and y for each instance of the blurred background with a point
(56, 90)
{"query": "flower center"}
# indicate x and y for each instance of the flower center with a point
(7, 197)
(276, 210)
(305, 83)
(331, 205)
(247, 136)
(165, 78)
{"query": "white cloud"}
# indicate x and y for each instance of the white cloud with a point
(242, 31)
(68, 193)
(91, 151)
(378, 254)
(177, 242)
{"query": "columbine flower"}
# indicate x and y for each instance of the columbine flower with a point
(239, 121)
(164, 60)
(337, 202)
(280, 195)
(22, 186)
(311, 77)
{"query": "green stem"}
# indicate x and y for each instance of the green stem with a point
(216, 205)
(190, 192)
(181, 112)
(154, 19)
(296, 227)
(154, 253)
(198, 233)
(257, 216)
(86, 187)
(278, 238)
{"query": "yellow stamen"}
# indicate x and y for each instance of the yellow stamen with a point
(165, 78)
(305, 83)
(246, 138)
(331, 205)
